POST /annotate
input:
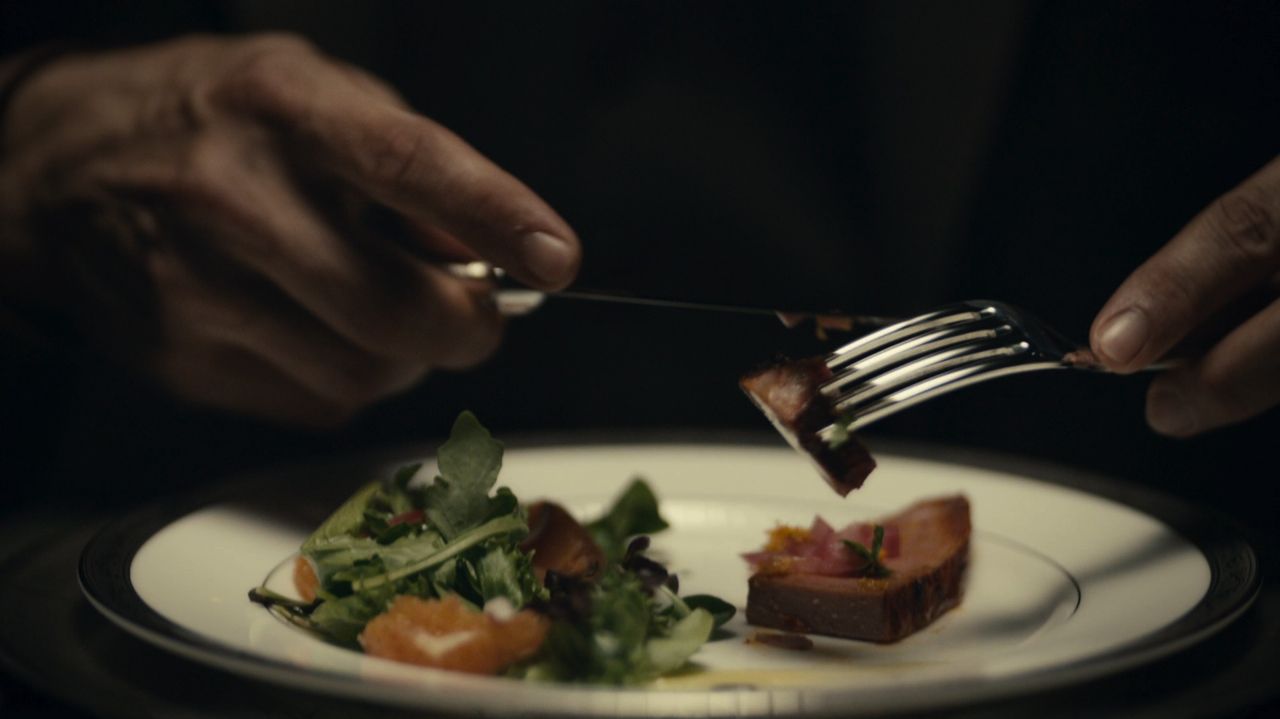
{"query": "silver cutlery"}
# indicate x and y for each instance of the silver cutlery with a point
(912, 361)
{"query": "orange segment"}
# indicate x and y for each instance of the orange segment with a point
(449, 634)
(305, 579)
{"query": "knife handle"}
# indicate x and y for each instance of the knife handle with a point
(511, 299)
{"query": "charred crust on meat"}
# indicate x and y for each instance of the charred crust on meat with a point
(787, 392)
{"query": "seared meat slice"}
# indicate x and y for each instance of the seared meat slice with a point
(788, 395)
(560, 544)
(925, 582)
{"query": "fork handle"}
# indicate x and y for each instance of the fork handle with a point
(1085, 359)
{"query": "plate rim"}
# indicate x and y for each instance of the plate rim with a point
(103, 571)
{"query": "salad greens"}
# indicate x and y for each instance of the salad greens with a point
(630, 634)
(469, 463)
(633, 513)
(458, 535)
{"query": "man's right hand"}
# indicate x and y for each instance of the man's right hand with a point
(199, 209)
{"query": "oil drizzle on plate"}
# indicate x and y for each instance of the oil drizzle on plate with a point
(769, 678)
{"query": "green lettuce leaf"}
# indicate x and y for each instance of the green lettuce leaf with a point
(469, 463)
(504, 571)
(634, 512)
(510, 525)
(346, 558)
(626, 638)
(343, 618)
(346, 519)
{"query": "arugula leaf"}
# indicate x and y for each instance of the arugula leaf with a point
(504, 571)
(400, 480)
(407, 550)
(503, 502)
(346, 519)
(338, 554)
(268, 598)
(469, 462)
(720, 610)
(492, 528)
(621, 612)
(347, 558)
(634, 512)
(437, 582)
(626, 637)
(293, 611)
(839, 434)
(606, 644)
(393, 533)
(343, 618)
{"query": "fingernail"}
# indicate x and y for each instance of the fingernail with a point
(548, 257)
(1123, 336)
(1168, 412)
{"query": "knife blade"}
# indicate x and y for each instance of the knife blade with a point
(514, 300)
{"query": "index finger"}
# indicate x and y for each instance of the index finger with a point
(1230, 248)
(421, 169)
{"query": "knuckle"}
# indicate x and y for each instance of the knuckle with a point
(283, 42)
(393, 158)
(208, 185)
(266, 74)
(1248, 225)
(374, 85)
(202, 174)
(262, 82)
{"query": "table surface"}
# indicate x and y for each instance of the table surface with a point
(60, 657)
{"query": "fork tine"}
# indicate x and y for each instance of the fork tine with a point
(923, 368)
(944, 383)
(901, 352)
(936, 353)
(868, 344)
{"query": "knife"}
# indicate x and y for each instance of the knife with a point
(514, 300)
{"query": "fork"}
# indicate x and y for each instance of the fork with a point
(904, 364)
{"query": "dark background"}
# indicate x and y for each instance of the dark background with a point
(878, 158)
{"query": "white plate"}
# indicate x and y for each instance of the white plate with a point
(1063, 584)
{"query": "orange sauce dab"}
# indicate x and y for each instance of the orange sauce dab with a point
(783, 537)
